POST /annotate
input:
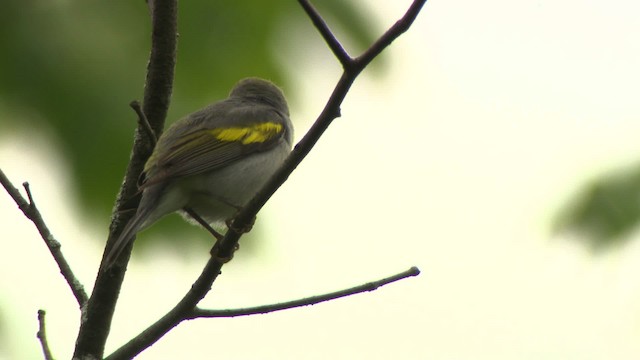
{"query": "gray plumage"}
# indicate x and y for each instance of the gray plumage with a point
(213, 160)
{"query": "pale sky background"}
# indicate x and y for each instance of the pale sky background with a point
(490, 116)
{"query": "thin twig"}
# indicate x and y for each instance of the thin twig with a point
(329, 38)
(32, 213)
(399, 28)
(263, 309)
(42, 336)
(143, 121)
(246, 215)
(27, 189)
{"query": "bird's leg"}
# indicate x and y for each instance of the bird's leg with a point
(204, 224)
(215, 250)
(229, 221)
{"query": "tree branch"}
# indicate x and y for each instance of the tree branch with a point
(198, 290)
(245, 217)
(330, 112)
(327, 35)
(96, 320)
(399, 28)
(42, 336)
(264, 309)
(32, 213)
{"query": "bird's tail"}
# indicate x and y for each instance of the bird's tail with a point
(147, 204)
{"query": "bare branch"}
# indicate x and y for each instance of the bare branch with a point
(96, 320)
(329, 38)
(246, 216)
(399, 28)
(42, 336)
(326, 117)
(30, 210)
(198, 290)
(370, 286)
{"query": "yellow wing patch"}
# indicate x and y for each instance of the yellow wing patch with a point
(210, 148)
(256, 133)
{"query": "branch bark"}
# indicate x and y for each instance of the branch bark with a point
(312, 300)
(97, 311)
(96, 318)
(352, 68)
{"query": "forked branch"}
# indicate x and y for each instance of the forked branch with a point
(32, 213)
(352, 67)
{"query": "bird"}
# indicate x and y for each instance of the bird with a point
(213, 161)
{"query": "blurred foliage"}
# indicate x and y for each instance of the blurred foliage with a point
(606, 210)
(3, 330)
(73, 66)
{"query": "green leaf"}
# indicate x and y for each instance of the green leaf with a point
(605, 211)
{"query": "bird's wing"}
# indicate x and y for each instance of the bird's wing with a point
(207, 149)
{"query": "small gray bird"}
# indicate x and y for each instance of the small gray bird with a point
(213, 161)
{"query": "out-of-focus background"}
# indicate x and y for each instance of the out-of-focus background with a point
(494, 145)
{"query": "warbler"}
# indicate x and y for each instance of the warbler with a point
(213, 161)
